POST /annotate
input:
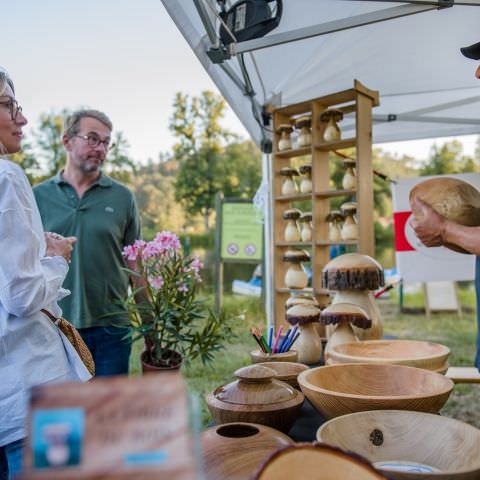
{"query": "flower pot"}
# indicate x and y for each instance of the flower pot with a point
(175, 364)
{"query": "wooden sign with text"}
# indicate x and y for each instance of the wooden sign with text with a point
(108, 428)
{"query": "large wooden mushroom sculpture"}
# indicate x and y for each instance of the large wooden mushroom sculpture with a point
(304, 299)
(308, 344)
(353, 276)
(289, 187)
(332, 131)
(296, 277)
(291, 232)
(344, 316)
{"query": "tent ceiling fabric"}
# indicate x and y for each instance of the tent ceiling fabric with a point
(414, 62)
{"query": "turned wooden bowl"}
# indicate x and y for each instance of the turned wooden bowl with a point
(413, 353)
(256, 397)
(432, 447)
(356, 387)
(236, 450)
(316, 461)
(287, 371)
(257, 356)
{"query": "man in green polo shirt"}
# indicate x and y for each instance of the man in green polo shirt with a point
(81, 201)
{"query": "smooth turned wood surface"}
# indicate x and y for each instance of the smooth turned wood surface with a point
(234, 451)
(413, 353)
(450, 447)
(463, 374)
(347, 388)
(316, 462)
(257, 356)
(287, 371)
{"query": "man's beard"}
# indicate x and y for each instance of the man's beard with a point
(91, 165)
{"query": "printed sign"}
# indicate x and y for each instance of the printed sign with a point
(116, 428)
(241, 232)
(415, 261)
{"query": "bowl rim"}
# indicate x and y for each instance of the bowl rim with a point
(446, 351)
(305, 383)
(390, 412)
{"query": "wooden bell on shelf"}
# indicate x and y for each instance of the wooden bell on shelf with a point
(296, 277)
(305, 221)
(334, 219)
(291, 233)
(332, 130)
(306, 181)
(289, 187)
(349, 181)
(350, 227)
(285, 142)
(304, 124)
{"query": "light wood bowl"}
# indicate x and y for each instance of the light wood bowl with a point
(316, 462)
(257, 356)
(413, 353)
(287, 371)
(236, 450)
(356, 387)
(448, 447)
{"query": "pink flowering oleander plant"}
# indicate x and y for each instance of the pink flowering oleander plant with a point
(170, 317)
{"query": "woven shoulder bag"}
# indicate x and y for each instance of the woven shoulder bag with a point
(75, 339)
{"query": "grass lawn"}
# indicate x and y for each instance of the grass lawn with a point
(457, 333)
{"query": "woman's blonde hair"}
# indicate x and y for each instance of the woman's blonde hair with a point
(5, 81)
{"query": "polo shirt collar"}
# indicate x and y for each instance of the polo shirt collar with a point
(102, 181)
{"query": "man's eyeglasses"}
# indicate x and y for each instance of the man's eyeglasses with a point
(94, 140)
(14, 107)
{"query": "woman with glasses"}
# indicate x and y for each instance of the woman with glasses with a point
(33, 266)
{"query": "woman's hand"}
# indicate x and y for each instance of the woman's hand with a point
(58, 245)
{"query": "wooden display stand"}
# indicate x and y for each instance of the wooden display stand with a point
(359, 100)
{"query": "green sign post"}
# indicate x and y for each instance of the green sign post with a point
(239, 237)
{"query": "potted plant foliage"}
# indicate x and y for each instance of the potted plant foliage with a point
(174, 323)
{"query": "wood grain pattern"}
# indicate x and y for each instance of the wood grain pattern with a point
(448, 446)
(235, 450)
(347, 388)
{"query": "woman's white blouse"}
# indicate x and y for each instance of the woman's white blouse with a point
(32, 349)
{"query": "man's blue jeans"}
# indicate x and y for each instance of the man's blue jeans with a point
(11, 459)
(477, 290)
(109, 349)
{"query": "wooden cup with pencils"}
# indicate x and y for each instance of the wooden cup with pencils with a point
(273, 347)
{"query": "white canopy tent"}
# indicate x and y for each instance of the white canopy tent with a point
(408, 51)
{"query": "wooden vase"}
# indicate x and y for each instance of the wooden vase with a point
(256, 397)
(235, 450)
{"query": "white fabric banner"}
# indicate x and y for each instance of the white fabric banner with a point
(415, 261)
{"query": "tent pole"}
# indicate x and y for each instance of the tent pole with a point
(267, 274)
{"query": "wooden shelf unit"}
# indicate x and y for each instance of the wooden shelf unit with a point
(359, 100)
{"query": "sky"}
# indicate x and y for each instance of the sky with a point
(123, 57)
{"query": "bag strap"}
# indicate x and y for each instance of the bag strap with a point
(51, 316)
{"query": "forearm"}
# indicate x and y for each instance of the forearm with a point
(466, 237)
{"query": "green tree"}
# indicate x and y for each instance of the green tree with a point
(201, 140)
(447, 159)
(27, 160)
(119, 164)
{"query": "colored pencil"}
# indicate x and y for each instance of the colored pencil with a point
(259, 343)
(264, 343)
(277, 338)
(293, 341)
(284, 341)
(270, 337)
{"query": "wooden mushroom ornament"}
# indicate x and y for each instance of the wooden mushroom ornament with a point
(349, 180)
(332, 131)
(349, 229)
(306, 181)
(289, 187)
(353, 276)
(308, 344)
(284, 130)
(305, 221)
(296, 277)
(343, 315)
(304, 124)
(304, 299)
(291, 232)
(334, 219)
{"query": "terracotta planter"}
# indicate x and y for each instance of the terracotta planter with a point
(236, 450)
(148, 368)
